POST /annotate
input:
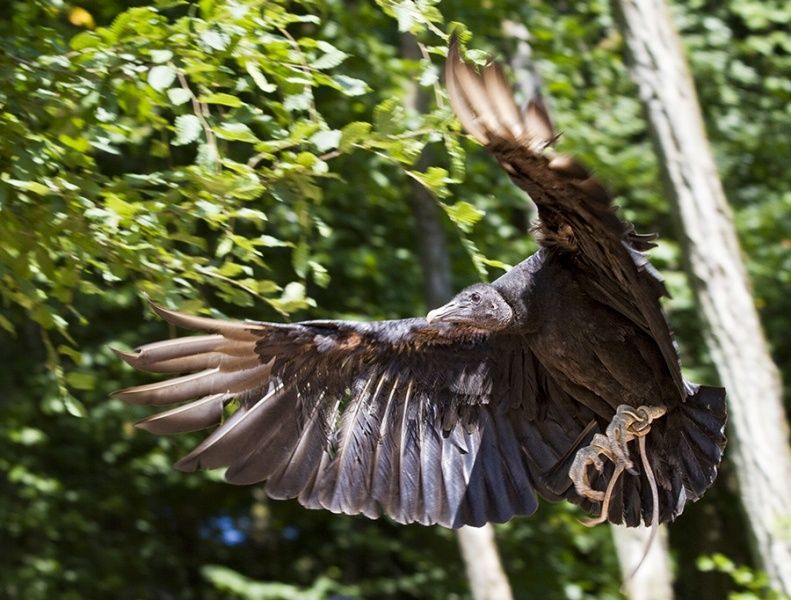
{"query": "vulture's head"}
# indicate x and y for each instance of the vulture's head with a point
(479, 306)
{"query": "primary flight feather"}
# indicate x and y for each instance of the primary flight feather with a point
(548, 380)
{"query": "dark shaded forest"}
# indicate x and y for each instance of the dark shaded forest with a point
(260, 158)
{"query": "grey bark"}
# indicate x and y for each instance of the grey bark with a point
(482, 563)
(485, 573)
(758, 428)
(654, 579)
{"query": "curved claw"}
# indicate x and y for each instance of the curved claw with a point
(589, 456)
(627, 424)
(605, 505)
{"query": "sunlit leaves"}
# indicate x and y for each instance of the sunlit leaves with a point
(353, 133)
(326, 140)
(259, 78)
(463, 214)
(235, 132)
(179, 95)
(161, 77)
(188, 129)
(434, 178)
(221, 99)
(350, 86)
(212, 40)
(332, 57)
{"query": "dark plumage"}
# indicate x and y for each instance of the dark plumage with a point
(510, 389)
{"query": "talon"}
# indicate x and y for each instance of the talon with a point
(627, 424)
(594, 495)
(579, 469)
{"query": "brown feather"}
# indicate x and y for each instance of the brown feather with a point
(236, 330)
(194, 416)
(210, 381)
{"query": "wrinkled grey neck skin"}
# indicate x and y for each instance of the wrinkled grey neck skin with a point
(517, 284)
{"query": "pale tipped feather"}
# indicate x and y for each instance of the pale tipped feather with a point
(203, 383)
(194, 416)
(239, 330)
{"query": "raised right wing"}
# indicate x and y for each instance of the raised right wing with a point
(575, 210)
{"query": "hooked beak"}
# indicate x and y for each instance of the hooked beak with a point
(443, 312)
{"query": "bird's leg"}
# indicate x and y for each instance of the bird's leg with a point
(590, 456)
(627, 424)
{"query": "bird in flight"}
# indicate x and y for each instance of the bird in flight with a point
(559, 379)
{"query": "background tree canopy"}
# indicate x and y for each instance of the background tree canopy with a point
(256, 156)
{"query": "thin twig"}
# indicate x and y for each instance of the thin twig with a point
(201, 111)
(314, 114)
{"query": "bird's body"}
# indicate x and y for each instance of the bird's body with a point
(593, 352)
(512, 388)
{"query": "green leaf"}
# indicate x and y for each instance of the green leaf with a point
(457, 158)
(7, 325)
(235, 132)
(353, 133)
(326, 140)
(28, 436)
(406, 13)
(259, 79)
(161, 77)
(74, 407)
(292, 299)
(266, 286)
(296, 102)
(81, 381)
(85, 40)
(351, 86)
(430, 75)
(207, 156)
(30, 186)
(224, 247)
(160, 56)
(435, 179)
(222, 99)
(232, 269)
(497, 264)
(179, 95)
(269, 241)
(332, 56)
(389, 115)
(214, 40)
(464, 214)
(188, 129)
(299, 259)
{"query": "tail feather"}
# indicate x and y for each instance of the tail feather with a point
(685, 449)
(698, 427)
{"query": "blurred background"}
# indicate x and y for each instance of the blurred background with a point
(290, 160)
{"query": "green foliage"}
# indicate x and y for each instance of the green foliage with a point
(236, 585)
(754, 583)
(255, 156)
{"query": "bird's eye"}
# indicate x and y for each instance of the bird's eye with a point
(475, 297)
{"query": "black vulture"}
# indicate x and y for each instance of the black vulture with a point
(559, 378)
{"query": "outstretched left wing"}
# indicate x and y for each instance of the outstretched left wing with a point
(425, 423)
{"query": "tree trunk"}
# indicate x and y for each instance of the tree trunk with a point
(478, 547)
(482, 563)
(758, 427)
(654, 579)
